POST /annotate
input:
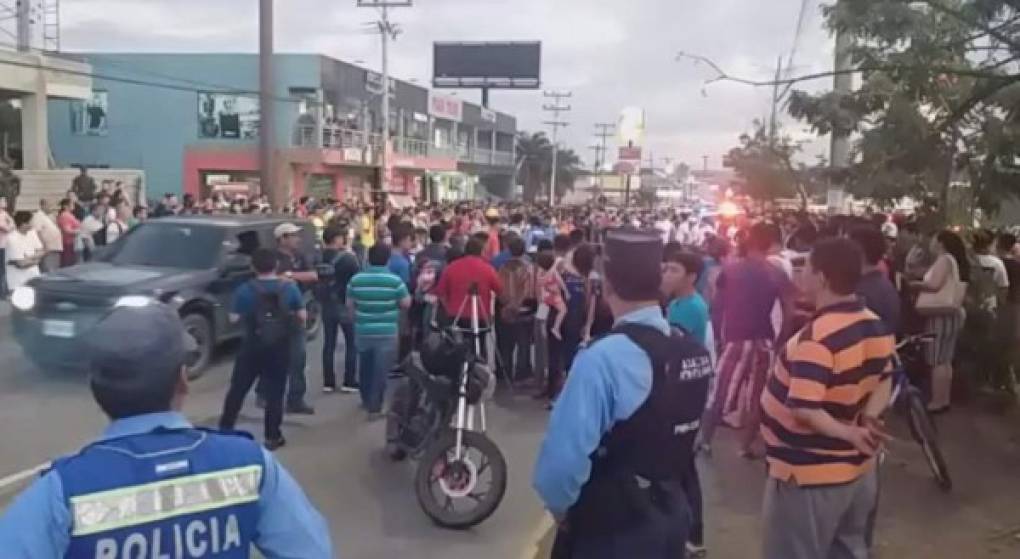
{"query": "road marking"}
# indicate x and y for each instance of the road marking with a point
(22, 475)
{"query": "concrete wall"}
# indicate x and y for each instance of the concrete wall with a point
(150, 126)
(53, 185)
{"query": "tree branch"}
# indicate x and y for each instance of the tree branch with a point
(723, 76)
(959, 16)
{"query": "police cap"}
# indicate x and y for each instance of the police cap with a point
(134, 347)
(633, 262)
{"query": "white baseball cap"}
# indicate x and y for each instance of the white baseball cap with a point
(284, 229)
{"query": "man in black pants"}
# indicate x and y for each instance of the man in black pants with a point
(271, 309)
(335, 314)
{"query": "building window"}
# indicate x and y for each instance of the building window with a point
(89, 118)
(228, 116)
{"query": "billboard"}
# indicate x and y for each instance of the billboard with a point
(228, 116)
(496, 65)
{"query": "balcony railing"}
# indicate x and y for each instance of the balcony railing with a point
(334, 137)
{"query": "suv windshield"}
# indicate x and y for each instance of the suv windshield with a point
(169, 245)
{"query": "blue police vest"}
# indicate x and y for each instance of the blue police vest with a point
(175, 494)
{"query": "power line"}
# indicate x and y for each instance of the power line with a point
(555, 108)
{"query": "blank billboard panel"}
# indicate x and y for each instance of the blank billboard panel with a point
(496, 65)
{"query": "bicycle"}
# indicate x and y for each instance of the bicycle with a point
(911, 402)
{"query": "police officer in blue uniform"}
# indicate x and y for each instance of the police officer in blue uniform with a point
(620, 443)
(153, 485)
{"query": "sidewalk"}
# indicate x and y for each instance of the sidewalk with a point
(5, 309)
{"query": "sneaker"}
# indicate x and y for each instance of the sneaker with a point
(273, 444)
(328, 389)
(350, 388)
(300, 408)
(696, 550)
(374, 416)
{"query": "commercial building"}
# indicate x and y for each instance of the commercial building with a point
(191, 122)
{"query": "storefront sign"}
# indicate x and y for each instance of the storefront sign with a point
(446, 107)
(488, 115)
(373, 84)
(418, 117)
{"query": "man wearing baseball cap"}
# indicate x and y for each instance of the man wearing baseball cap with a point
(153, 484)
(293, 265)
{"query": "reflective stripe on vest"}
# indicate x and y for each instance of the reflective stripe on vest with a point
(153, 502)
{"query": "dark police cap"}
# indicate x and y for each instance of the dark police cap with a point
(633, 260)
(135, 345)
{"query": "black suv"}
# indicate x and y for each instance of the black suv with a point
(192, 263)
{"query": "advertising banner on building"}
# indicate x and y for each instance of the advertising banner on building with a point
(488, 115)
(228, 116)
(88, 118)
(446, 107)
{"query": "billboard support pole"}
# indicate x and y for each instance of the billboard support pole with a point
(267, 177)
(485, 97)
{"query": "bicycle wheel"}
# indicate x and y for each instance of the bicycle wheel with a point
(923, 430)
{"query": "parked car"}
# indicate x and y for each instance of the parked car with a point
(193, 263)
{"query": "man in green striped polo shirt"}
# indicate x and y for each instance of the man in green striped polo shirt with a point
(376, 296)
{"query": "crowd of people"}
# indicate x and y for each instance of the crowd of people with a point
(794, 316)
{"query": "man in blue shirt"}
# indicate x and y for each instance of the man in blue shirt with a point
(686, 309)
(272, 310)
(577, 475)
(400, 260)
(153, 485)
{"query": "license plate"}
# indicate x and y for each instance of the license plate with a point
(58, 328)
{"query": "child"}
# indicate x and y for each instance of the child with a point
(553, 290)
(686, 310)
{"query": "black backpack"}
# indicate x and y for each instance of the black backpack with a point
(271, 322)
(326, 291)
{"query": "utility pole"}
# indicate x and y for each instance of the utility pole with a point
(605, 130)
(839, 150)
(267, 166)
(705, 159)
(775, 104)
(387, 31)
(555, 108)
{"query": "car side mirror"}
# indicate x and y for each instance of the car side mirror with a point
(236, 263)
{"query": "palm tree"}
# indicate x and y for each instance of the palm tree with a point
(534, 156)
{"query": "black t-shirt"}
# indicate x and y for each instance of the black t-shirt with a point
(1013, 273)
(344, 269)
(880, 297)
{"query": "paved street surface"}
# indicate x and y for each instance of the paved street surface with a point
(371, 507)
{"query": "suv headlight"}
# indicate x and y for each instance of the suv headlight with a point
(134, 301)
(23, 298)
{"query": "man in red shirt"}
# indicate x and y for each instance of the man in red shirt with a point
(455, 283)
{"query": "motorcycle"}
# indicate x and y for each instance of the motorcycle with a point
(461, 474)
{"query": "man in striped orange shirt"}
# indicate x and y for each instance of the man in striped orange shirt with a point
(820, 408)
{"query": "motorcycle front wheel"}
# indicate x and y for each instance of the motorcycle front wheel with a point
(459, 494)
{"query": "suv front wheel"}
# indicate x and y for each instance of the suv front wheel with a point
(200, 329)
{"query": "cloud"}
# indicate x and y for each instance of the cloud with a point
(610, 54)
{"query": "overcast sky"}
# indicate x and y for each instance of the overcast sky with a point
(609, 53)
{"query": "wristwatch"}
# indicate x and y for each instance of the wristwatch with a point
(288, 274)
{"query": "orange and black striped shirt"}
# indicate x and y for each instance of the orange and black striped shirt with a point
(834, 364)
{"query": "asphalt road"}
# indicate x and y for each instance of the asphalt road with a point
(370, 505)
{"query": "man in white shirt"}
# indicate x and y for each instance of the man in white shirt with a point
(6, 227)
(118, 226)
(993, 265)
(24, 252)
(92, 224)
(49, 234)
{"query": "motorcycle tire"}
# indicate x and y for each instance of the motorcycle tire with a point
(441, 449)
(400, 404)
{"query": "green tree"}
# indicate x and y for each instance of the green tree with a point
(937, 104)
(534, 156)
(767, 165)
